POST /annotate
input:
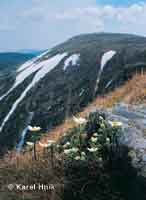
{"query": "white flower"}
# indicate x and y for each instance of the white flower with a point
(74, 150)
(101, 118)
(93, 139)
(107, 140)
(34, 129)
(67, 151)
(79, 120)
(80, 158)
(44, 145)
(48, 144)
(64, 134)
(51, 141)
(95, 135)
(92, 149)
(30, 143)
(83, 153)
(58, 146)
(66, 145)
(77, 158)
(115, 123)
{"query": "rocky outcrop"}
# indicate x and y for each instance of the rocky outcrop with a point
(133, 135)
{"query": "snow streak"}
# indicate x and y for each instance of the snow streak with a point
(72, 60)
(104, 60)
(46, 67)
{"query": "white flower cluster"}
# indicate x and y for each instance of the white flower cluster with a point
(115, 123)
(72, 150)
(34, 129)
(48, 144)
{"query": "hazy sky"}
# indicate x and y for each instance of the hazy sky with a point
(40, 24)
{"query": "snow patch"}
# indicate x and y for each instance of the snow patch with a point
(104, 60)
(30, 62)
(27, 71)
(45, 68)
(72, 60)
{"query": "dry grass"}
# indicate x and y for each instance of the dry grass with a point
(27, 171)
(133, 92)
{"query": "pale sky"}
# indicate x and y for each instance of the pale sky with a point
(41, 24)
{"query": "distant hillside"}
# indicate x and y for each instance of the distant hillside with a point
(8, 64)
(30, 51)
(10, 60)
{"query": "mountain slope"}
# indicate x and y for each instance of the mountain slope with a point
(115, 170)
(65, 79)
(133, 92)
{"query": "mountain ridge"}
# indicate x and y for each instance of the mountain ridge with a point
(60, 93)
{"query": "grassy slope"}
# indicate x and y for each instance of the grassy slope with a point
(133, 92)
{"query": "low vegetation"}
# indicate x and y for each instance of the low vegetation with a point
(81, 165)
